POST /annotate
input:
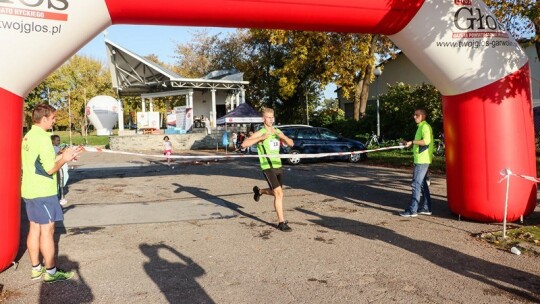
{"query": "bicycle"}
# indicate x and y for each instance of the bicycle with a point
(374, 140)
(439, 145)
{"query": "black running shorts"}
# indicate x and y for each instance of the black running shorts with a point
(273, 177)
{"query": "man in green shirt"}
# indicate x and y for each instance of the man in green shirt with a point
(268, 140)
(423, 155)
(40, 193)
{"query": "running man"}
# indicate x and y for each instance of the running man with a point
(268, 140)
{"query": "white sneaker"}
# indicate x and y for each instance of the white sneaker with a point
(63, 201)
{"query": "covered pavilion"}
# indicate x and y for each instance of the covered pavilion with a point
(212, 95)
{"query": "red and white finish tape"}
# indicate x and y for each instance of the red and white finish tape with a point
(228, 156)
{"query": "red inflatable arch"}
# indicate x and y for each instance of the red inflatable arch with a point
(481, 71)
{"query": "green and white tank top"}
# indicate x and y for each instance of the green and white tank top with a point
(269, 146)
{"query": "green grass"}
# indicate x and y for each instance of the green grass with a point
(403, 159)
(527, 238)
(78, 139)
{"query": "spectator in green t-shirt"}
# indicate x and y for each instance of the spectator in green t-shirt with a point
(423, 155)
(39, 192)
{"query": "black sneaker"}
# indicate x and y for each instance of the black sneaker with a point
(283, 226)
(256, 193)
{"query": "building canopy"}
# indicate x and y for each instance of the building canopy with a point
(133, 75)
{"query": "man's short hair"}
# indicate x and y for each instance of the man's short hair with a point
(267, 110)
(422, 110)
(42, 110)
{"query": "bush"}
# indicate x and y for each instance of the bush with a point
(396, 114)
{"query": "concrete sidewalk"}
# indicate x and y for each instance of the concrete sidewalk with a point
(138, 231)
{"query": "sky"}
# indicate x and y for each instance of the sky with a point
(145, 39)
(160, 40)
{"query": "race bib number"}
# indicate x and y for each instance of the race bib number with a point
(274, 144)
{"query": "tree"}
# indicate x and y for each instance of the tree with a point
(305, 62)
(155, 59)
(521, 18)
(327, 112)
(242, 50)
(195, 58)
(400, 102)
(36, 96)
(73, 84)
(288, 70)
(397, 107)
(293, 67)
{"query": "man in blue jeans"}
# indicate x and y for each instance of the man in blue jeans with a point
(423, 155)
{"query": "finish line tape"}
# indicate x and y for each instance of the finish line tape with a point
(319, 155)
(506, 173)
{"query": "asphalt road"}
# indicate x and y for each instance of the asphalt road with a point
(137, 231)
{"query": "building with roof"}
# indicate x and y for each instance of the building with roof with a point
(211, 96)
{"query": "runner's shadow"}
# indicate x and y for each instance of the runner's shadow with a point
(75, 290)
(176, 280)
(203, 194)
(514, 281)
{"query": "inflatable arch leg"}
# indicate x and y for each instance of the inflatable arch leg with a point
(10, 213)
(486, 131)
(457, 44)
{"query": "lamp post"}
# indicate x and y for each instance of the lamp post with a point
(377, 73)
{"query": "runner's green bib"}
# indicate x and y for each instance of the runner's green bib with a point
(269, 146)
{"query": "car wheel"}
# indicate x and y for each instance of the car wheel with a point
(294, 160)
(354, 158)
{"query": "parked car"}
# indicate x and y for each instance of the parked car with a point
(314, 140)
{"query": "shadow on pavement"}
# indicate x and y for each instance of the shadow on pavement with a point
(521, 284)
(176, 280)
(73, 291)
(203, 194)
(370, 187)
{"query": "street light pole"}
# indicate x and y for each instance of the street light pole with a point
(378, 73)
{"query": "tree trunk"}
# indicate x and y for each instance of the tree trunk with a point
(365, 90)
(367, 76)
(362, 88)
(357, 99)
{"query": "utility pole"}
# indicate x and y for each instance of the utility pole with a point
(378, 72)
(69, 117)
(85, 120)
(307, 108)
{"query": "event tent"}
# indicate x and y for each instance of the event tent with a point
(244, 113)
